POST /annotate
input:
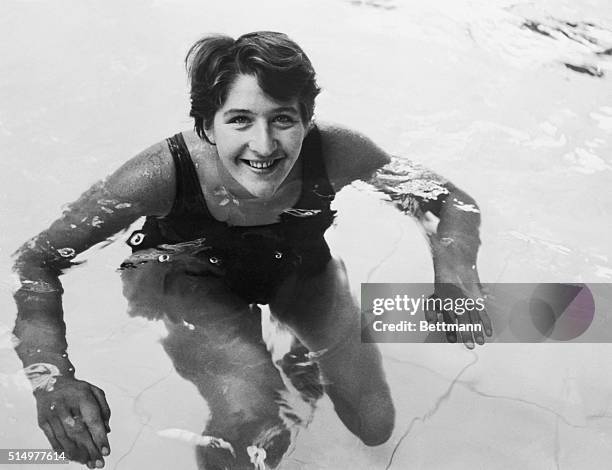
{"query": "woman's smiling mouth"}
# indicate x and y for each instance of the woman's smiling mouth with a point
(262, 166)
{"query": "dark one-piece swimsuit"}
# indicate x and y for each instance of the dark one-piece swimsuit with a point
(251, 260)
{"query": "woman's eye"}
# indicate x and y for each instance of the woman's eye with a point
(284, 119)
(239, 120)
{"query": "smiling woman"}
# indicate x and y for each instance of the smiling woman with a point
(258, 139)
(236, 213)
(256, 108)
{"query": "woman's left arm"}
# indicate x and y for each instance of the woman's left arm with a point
(449, 217)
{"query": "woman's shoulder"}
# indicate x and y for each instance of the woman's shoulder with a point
(348, 154)
(148, 179)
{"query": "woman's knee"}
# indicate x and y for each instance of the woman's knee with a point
(371, 417)
(377, 419)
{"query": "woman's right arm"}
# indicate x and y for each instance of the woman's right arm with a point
(145, 185)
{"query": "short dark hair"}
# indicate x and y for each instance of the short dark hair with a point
(282, 69)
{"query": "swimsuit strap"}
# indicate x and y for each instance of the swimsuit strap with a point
(316, 188)
(189, 198)
(315, 183)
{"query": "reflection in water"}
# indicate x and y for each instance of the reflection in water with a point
(215, 341)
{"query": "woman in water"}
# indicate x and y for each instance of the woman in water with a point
(236, 214)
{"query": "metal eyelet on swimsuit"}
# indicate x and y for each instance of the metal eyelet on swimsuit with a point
(214, 260)
(163, 258)
(137, 238)
(278, 255)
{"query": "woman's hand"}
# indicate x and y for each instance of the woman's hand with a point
(74, 416)
(456, 278)
(464, 291)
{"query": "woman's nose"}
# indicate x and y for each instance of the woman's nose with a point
(262, 141)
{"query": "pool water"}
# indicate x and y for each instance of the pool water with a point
(510, 100)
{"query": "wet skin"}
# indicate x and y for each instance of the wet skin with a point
(263, 132)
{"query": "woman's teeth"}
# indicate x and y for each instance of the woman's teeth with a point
(260, 165)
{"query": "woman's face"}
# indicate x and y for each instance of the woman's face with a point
(258, 139)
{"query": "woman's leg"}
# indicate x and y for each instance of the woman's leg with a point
(324, 316)
(214, 340)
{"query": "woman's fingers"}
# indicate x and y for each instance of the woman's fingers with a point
(431, 314)
(466, 336)
(48, 430)
(475, 319)
(450, 319)
(467, 299)
(73, 452)
(104, 408)
(486, 323)
(76, 430)
(85, 437)
(74, 418)
(91, 413)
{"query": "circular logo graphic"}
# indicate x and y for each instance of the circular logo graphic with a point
(562, 311)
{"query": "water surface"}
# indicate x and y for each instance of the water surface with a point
(512, 101)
